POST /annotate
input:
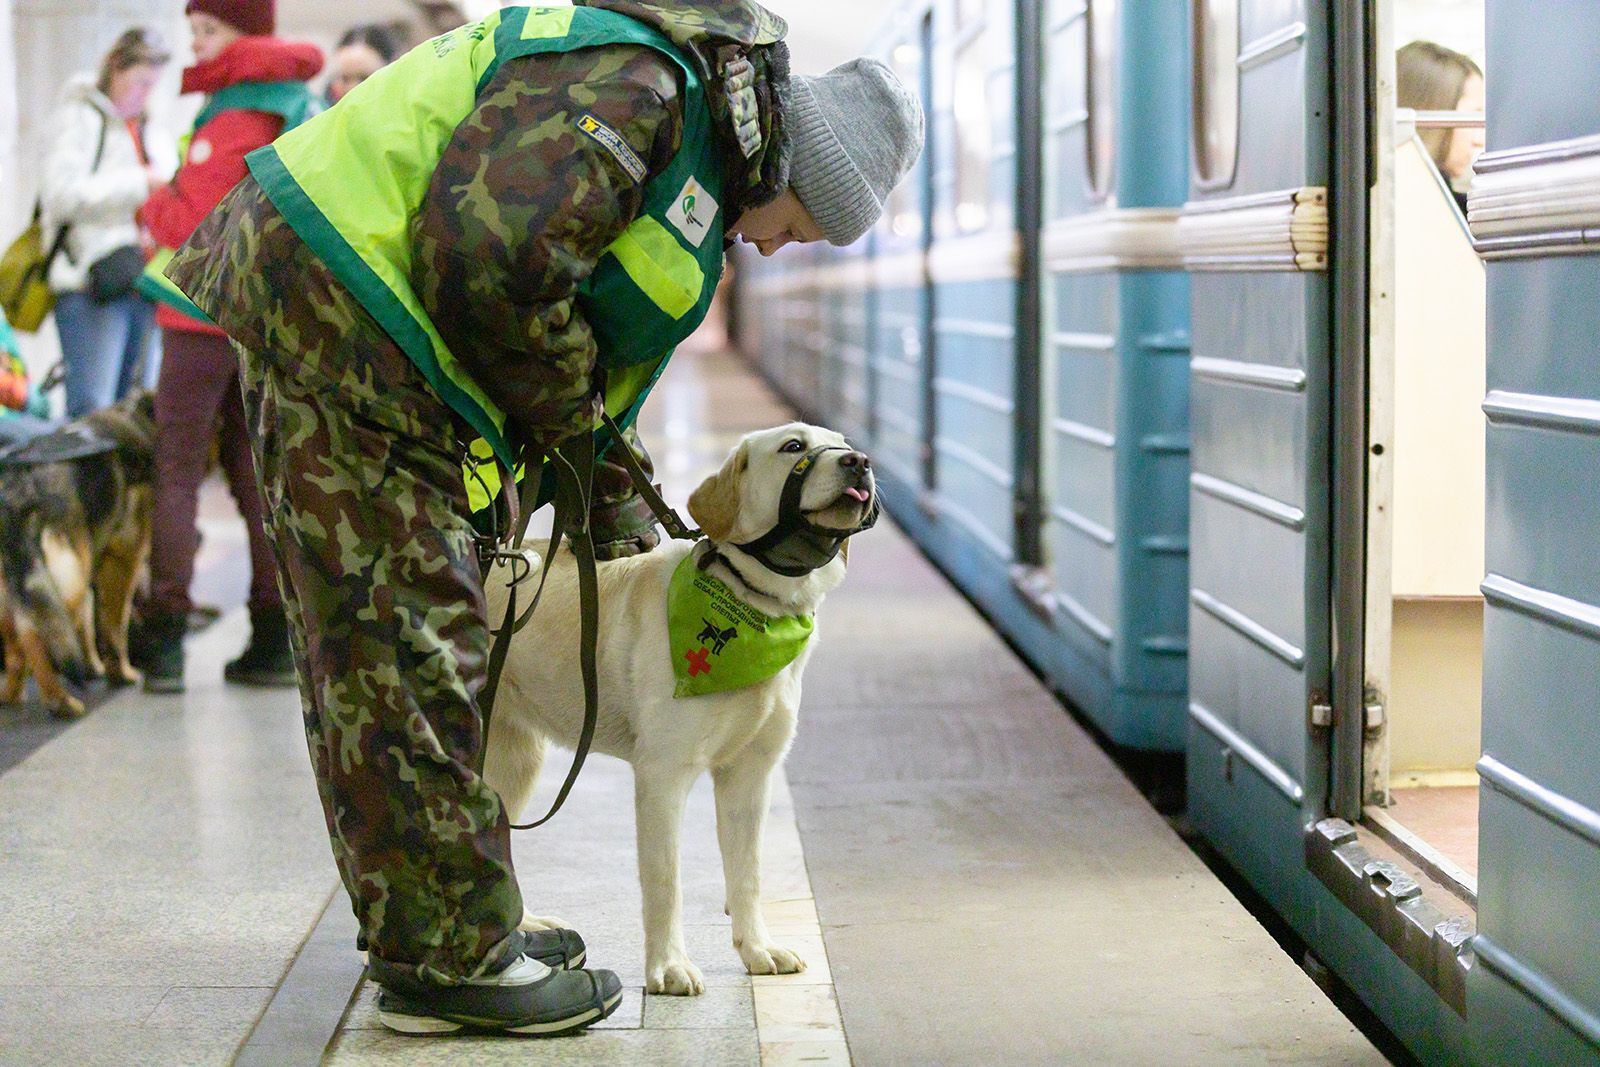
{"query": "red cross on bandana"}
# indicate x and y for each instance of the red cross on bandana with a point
(697, 658)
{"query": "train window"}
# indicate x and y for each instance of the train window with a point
(1216, 91)
(973, 133)
(1102, 84)
(905, 201)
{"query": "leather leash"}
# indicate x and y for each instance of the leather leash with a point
(573, 466)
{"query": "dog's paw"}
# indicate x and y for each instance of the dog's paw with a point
(124, 675)
(68, 707)
(679, 978)
(770, 959)
(530, 921)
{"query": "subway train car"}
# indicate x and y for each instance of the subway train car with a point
(1189, 358)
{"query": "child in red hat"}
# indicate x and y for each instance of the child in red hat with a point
(255, 90)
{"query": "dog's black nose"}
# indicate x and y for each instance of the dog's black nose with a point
(856, 460)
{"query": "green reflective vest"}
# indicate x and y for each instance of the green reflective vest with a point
(291, 101)
(350, 180)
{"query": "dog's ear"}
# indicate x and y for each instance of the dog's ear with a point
(714, 506)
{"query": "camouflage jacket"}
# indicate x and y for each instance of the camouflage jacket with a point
(519, 210)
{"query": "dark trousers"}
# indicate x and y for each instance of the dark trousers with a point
(198, 401)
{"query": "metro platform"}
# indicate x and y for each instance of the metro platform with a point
(970, 878)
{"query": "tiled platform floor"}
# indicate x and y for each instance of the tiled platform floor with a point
(989, 888)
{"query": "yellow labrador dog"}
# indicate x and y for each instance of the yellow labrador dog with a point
(775, 518)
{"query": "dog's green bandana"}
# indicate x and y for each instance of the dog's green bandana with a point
(720, 642)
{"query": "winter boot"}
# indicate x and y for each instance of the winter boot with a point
(161, 653)
(267, 659)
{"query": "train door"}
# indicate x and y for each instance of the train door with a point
(898, 272)
(1534, 995)
(1255, 238)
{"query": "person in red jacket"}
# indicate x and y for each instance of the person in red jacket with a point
(255, 86)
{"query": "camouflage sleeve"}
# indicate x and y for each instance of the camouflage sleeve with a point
(520, 209)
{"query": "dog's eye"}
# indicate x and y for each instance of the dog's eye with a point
(794, 444)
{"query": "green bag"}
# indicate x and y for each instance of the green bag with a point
(25, 268)
(25, 275)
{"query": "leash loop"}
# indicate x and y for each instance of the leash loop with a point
(572, 464)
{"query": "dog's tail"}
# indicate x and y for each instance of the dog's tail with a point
(32, 569)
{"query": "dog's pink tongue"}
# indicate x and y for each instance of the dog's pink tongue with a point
(858, 494)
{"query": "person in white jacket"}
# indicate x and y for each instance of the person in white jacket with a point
(99, 170)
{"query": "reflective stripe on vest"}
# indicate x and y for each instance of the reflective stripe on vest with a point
(350, 181)
(154, 285)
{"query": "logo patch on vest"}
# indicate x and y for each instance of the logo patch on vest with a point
(612, 142)
(692, 212)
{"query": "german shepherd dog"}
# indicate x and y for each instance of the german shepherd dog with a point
(75, 517)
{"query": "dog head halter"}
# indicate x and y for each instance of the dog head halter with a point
(796, 546)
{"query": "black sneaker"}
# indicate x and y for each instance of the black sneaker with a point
(525, 998)
(562, 950)
(162, 654)
(267, 660)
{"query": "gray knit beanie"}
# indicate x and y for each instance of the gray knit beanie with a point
(854, 133)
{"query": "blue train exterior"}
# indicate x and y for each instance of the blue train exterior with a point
(1101, 348)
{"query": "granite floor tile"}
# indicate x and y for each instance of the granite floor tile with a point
(166, 853)
(820, 1053)
(118, 1046)
(594, 1048)
(225, 1009)
(33, 1009)
(797, 1013)
(719, 1007)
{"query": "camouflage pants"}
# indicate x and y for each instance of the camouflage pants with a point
(360, 468)
(380, 577)
(378, 566)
